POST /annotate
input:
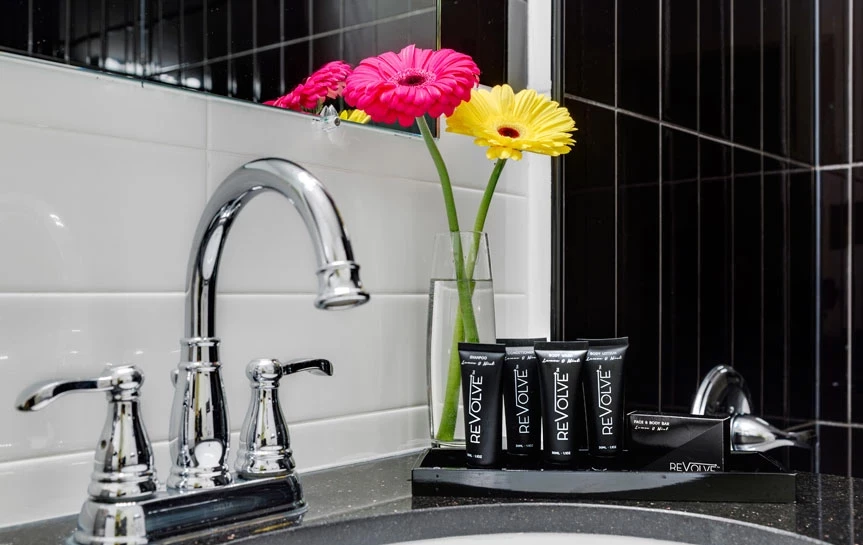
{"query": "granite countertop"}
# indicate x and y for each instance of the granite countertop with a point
(829, 507)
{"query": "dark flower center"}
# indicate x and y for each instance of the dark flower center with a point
(508, 131)
(412, 80)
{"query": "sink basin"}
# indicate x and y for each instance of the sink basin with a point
(532, 538)
(519, 523)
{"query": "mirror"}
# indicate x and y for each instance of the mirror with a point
(255, 50)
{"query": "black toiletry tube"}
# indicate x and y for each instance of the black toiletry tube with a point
(603, 394)
(481, 371)
(521, 397)
(559, 368)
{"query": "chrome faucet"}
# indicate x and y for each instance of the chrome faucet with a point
(200, 433)
(125, 506)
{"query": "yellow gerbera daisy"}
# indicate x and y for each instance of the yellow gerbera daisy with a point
(355, 116)
(510, 123)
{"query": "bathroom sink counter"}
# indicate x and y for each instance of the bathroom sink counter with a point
(829, 507)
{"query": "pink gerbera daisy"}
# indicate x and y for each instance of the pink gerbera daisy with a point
(327, 82)
(401, 87)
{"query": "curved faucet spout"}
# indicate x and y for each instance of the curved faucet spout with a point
(339, 284)
(199, 430)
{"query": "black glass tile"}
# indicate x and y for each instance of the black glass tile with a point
(834, 448)
(590, 164)
(270, 74)
(13, 25)
(192, 78)
(326, 49)
(296, 18)
(242, 77)
(771, 164)
(216, 79)
(242, 23)
(638, 56)
(679, 295)
(715, 159)
(858, 84)
(360, 11)
(833, 40)
(801, 77)
(326, 15)
(588, 35)
(802, 257)
(746, 163)
(637, 151)
(834, 295)
(478, 28)
(774, 92)
(392, 35)
(588, 290)
(680, 63)
(296, 65)
(193, 32)
(775, 310)
(715, 240)
(679, 156)
(638, 292)
(391, 8)
(269, 21)
(424, 30)
(217, 28)
(48, 28)
(747, 74)
(715, 74)
(80, 38)
(856, 451)
(857, 308)
(361, 43)
(799, 459)
(747, 283)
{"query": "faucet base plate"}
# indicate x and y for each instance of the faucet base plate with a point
(176, 517)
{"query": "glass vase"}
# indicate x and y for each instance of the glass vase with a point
(461, 309)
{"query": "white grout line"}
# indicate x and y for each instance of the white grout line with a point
(616, 184)
(849, 303)
(686, 130)
(818, 220)
(841, 166)
(659, 192)
(699, 181)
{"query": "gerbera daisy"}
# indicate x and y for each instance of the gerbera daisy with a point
(510, 123)
(411, 83)
(327, 82)
(355, 116)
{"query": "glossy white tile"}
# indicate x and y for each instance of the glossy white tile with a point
(85, 101)
(316, 445)
(92, 213)
(45, 337)
(391, 223)
(261, 131)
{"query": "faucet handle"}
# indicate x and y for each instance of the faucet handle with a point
(123, 465)
(265, 444)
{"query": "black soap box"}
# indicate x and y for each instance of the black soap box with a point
(679, 443)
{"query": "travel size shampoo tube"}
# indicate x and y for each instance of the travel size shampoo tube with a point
(481, 370)
(603, 393)
(521, 397)
(559, 368)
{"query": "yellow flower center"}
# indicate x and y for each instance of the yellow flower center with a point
(508, 132)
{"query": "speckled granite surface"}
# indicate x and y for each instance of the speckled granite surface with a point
(829, 508)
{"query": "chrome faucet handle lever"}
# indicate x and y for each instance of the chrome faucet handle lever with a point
(123, 466)
(265, 444)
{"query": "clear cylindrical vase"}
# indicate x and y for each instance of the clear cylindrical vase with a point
(461, 309)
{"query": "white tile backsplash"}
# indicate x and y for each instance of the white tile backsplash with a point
(102, 181)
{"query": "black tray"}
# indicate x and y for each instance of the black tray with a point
(752, 478)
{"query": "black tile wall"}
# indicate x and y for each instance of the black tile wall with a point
(717, 201)
(589, 34)
(250, 50)
(637, 56)
(478, 28)
(833, 43)
(857, 122)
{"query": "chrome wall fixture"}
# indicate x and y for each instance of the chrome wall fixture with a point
(125, 506)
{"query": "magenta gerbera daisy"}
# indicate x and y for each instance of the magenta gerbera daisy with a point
(327, 82)
(411, 83)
